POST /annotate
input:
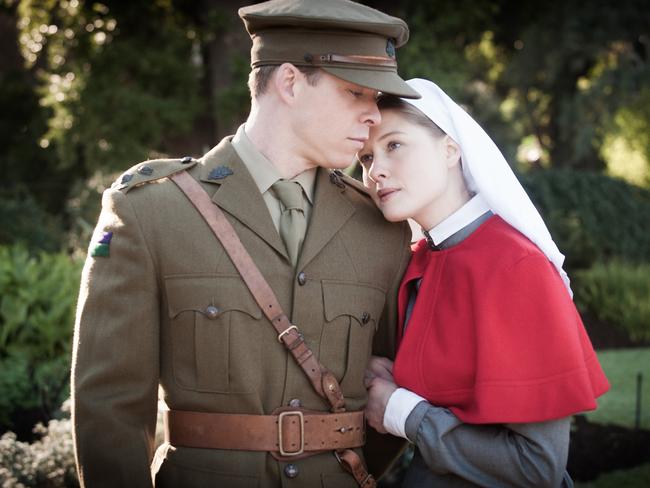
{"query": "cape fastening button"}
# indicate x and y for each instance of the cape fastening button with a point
(365, 318)
(212, 312)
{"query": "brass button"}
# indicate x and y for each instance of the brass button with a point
(291, 470)
(365, 318)
(302, 278)
(295, 403)
(212, 312)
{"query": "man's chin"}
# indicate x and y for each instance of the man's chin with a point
(339, 163)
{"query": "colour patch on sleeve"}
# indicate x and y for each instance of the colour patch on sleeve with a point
(100, 245)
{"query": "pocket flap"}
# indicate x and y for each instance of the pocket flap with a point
(198, 292)
(363, 302)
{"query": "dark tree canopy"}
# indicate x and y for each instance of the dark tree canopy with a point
(97, 86)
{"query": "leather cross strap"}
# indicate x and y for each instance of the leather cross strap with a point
(289, 434)
(322, 380)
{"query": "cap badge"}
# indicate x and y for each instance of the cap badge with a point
(390, 47)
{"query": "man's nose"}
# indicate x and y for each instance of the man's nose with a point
(372, 116)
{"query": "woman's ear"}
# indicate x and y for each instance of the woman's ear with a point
(452, 152)
(284, 82)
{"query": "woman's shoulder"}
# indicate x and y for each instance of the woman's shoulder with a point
(497, 251)
(499, 240)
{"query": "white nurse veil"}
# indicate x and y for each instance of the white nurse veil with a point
(486, 170)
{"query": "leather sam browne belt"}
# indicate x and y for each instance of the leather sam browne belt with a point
(291, 433)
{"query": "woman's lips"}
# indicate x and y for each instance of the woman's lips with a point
(386, 193)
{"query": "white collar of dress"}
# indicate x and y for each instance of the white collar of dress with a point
(448, 232)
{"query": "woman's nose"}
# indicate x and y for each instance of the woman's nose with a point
(377, 170)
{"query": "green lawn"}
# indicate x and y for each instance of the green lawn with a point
(632, 478)
(617, 406)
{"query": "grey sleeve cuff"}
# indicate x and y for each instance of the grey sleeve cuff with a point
(414, 420)
(424, 417)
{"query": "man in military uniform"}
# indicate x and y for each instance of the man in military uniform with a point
(163, 310)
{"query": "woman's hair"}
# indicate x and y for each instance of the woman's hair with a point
(409, 112)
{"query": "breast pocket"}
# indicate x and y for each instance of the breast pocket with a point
(215, 327)
(352, 313)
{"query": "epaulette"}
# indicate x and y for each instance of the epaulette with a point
(151, 170)
(340, 179)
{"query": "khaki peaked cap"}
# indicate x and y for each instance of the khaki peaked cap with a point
(346, 39)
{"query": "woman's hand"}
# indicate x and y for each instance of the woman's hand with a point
(379, 391)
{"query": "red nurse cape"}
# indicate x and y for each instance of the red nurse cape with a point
(494, 335)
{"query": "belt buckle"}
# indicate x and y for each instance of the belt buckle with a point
(281, 417)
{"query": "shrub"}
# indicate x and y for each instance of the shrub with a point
(47, 463)
(38, 295)
(591, 216)
(617, 293)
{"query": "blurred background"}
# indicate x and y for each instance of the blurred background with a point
(87, 89)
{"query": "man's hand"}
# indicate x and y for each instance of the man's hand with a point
(379, 391)
(378, 367)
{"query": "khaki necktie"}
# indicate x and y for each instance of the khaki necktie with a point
(293, 224)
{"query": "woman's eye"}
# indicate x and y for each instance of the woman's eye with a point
(393, 145)
(365, 159)
(356, 94)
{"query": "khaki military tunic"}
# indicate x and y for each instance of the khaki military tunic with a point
(143, 323)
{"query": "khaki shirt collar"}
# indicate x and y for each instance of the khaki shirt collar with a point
(263, 171)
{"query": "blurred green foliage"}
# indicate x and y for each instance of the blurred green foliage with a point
(592, 217)
(617, 293)
(23, 221)
(38, 297)
(106, 84)
(556, 73)
(115, 87)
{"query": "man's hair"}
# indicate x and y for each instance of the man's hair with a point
(259, 78)
(409, 112)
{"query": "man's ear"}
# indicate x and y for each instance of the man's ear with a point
(452, 151)
(285, 80)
